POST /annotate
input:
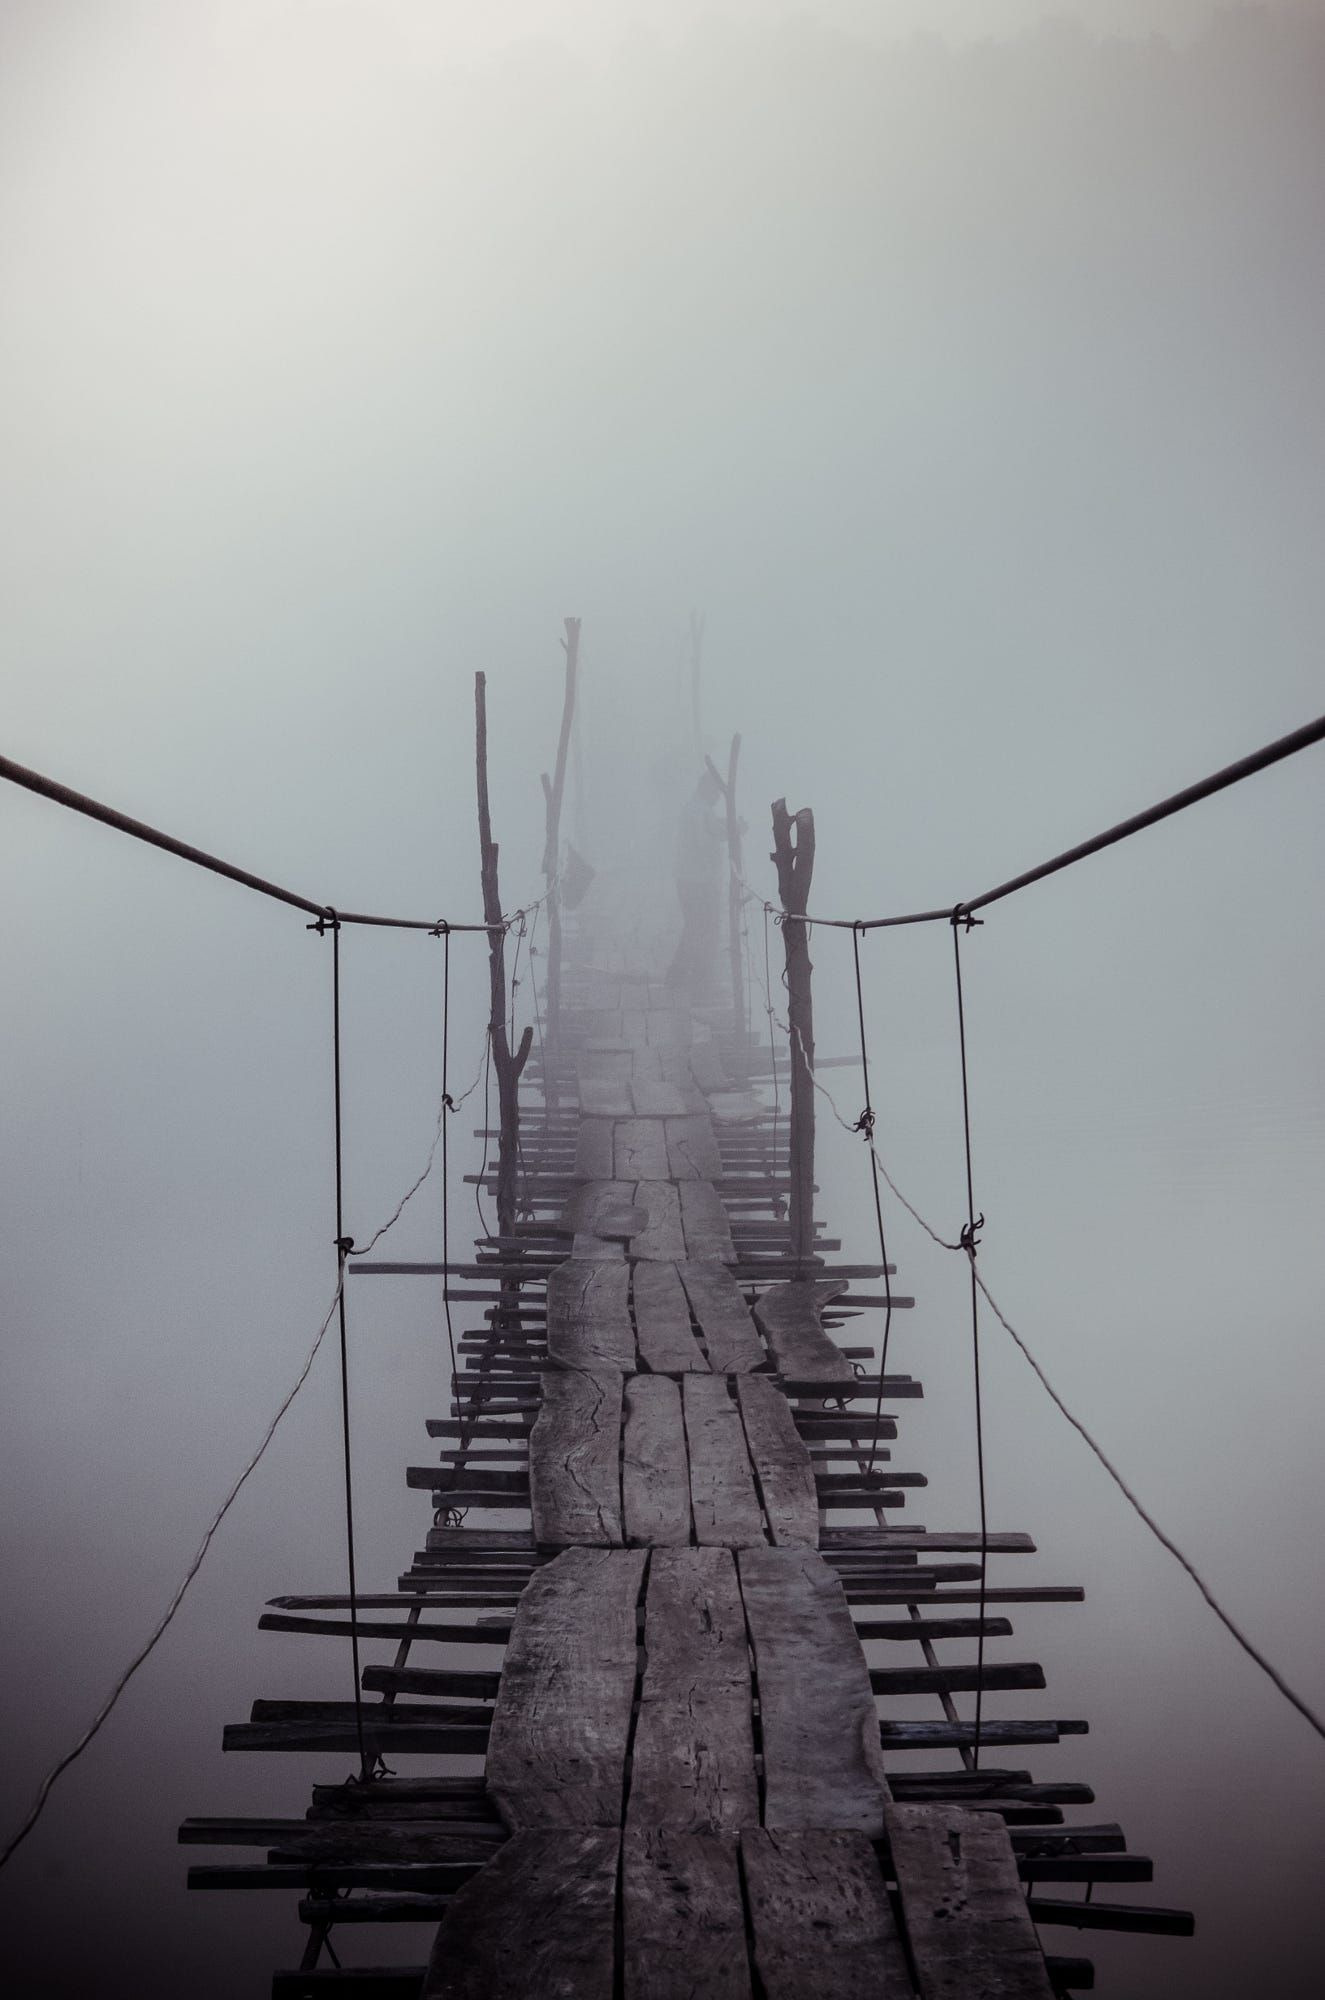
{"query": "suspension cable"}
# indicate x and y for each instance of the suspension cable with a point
(344, 1244)
(969, 1239)
(865, 1124)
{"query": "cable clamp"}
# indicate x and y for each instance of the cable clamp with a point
(970, 1235)
(345, 1244)
(440, 929)
(328, 921)
(961, 915)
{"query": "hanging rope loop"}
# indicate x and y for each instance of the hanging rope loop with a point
(328, 921)
(865, 1125)
(961, 915)
(969, 1237)
(441, 929)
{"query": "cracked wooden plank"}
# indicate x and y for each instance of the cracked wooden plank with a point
(734, 1346)
(588, 1318)
(661, 1240)
(723, 1499)
(654, 1469)
(539, 1919)
(561, 1725)
(639, 1150)
(783, 1468)
(704, 1223)
(605, 1097)
(601, 1208)
(791, 1319)
(692, 1148)
(657, 1099)
(822, 1763)
(666, 1338)
(683, 1916)
(693, 1763)
(574, 1459)
(964, 1905)
(821, 1918)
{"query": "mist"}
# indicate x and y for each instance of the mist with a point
(962, 363)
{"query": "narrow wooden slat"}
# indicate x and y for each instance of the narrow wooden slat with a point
(655, 1471)
(704, 1224)
(822, 1762)
(821, 1918)
(963, 1905)
(661, 1239)
(683, 1916)
(692, 1149)
(734, 1347)
(540, 1919)
(557, 1755)
(574, 1459)
(782, 1466)
(694, 1760)
(588, 1317)
(639, 1149)
(791, 1319)
(955, 1679)
(723, 1499)
(1013, 1542)
(662, 1321)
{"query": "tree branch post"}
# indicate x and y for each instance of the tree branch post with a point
(794, 861)
(507, 1066)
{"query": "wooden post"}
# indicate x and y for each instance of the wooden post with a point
(795, 866)
(733, 889)
(507, 1066)
(553, 790)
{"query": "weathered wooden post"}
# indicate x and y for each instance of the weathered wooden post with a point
(553, 790)
(733, 889)
(507, 1066)
(794, 861)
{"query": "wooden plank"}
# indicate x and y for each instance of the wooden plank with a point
(657, 1099)
(588, 1316)
(791, 1319)
(694, 1760)
(734, 1347)
(574, 1459)
(539, 1919)
(666, 1338)
(722, 1490)
(821, 1918)
(654, 1470)
(692, 1149)
(634, 1027)
(1013, 1542)
(557, 1753)
(593, 1151)
(822, 1762)
(639, 1150)
(706, 1068)
(605, 1097)
(669, 1027)
(963, 1905)
(704, 1222)
(661, 1240)
(782, 1466)
(683, 1916)
(601, 1208)
(586, 1248)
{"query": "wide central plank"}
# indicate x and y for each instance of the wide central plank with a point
(734, 1347)
(683, 1928)
(723, 1499)
(964, 1905)
(782, 1465)
(655, 1477)
(666, 1338)
(822, 1763)
(588, 1317)
(821, 1918)
(561, 1726)
(694, 1755)
(575, 1458)
(661, 1239)
(539, 1918)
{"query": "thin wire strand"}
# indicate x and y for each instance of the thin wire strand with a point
(970, 1239)
(342, 1251)
(865, 1124)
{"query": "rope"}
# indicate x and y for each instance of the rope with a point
(969, 1239)
(865, 1125)
(344, 1245)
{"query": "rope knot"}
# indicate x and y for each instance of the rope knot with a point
(440, 929)
(865, 1124)
(328, 921)
(448, 1102)
(345, 1244)
(962, 917)
(970, 1235)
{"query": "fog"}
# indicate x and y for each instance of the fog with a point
(963, 363)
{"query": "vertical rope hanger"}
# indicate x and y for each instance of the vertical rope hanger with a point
(865, 1126)
(962, 919)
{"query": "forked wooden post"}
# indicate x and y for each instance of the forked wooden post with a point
(553, 791)
(507, 1066)
(733, 890)
(794, 860)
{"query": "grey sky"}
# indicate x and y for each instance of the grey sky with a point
(974, 389)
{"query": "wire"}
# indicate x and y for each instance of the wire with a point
(969, 1239)
(343, 1247)
(446, 1176)
(865, 1125)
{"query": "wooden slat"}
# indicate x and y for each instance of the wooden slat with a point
(722, 1490)
(601, 1208)
(669, 1027)
(734, 1347)
(593, 1151)
(704, 1223)
(586, 1248)
(574, 1459)
(694, 1761)
(683, 1916)
(540, 1919)
(639, 1150)
(692, 1149)
(661, 1240)
(588, 1317)
(605, 1097)
(782, 1466)
(666, 1338)
(657, 1099)
(557, 1754)
(822, 1762)
(790, 1318)
(821, 1918)
(655, 1473)
(963, 1905)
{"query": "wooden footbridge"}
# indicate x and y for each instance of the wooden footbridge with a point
(661, 1653)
